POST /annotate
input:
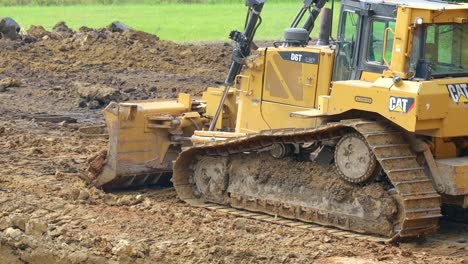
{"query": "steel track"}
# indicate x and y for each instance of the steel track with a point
(420, 204)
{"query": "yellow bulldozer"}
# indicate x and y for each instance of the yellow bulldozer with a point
(366, 132)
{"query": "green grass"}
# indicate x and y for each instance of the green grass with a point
(110, 2)
(177, 22)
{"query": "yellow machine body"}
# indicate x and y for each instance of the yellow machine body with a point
(293, 87)
(277, 92)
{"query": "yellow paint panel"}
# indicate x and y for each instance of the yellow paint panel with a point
(250, 83)
(288, 81)
(453, 175)
(461, 169)
(292, 87)
(278, 116)
(461, 180)
(370, 76)
(345, 96)
(421, 107)
(433, 101)
(227, 117)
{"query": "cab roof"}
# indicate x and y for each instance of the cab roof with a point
(421, 4)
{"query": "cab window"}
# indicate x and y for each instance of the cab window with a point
(346, 43)
(376, 42)
(348, 32)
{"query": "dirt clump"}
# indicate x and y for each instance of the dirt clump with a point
(9, 82)
(37, 32)
(96, 165)
(96, 96)
(133, 35)
(61, 30)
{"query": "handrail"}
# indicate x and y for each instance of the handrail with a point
(385, 45)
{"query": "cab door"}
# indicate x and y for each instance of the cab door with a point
(346, 47)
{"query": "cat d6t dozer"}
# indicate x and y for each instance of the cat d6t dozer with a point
(364, 134)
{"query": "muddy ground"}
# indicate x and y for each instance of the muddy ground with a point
(49, 215)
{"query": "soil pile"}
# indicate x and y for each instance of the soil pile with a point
(61, 30)
(136, 64)
(8, 82)
(38, 32)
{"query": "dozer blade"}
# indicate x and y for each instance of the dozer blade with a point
(140, 150)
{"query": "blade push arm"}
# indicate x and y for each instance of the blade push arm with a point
(244, 40)
(242, 50)
(314, 13)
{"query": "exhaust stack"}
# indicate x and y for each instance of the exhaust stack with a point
(325, 27)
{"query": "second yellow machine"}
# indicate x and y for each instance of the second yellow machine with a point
(367, 133)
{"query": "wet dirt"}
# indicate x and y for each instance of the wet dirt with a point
(369, 208)
(297, 183)
(48, 214)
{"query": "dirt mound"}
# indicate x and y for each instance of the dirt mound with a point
(61, 30)
(96, 96)
(8, 82)
(134, 35)
(138, 65)
(38, 32)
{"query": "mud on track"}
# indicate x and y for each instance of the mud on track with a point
(49, 215)
(295, 183)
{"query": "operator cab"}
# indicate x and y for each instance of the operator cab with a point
(436, 50)
(363, 24)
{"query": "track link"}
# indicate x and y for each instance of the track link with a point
(292, 223)
(419, 203)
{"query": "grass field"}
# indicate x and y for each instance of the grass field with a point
(177, 22)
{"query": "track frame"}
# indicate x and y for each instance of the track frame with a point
(420, 203)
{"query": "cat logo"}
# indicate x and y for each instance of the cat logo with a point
(458, 92)
(401, 104)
